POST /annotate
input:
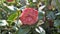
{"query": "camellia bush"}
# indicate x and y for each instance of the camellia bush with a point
(29, 17)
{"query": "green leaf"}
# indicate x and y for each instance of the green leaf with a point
(58, 4)
(6, 9)
(13, 16)
(51, 15)
(29, 1)
(41, 15)
(24, 30)
(57, 23)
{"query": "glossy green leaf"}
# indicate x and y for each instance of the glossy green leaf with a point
(57, 23)
(41, 15)
(24, 30)
(13, 17)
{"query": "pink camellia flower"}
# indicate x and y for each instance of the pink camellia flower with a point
(29, 16)
(9, 0)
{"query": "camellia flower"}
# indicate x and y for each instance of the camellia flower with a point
(10, 0)
(29, 16)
